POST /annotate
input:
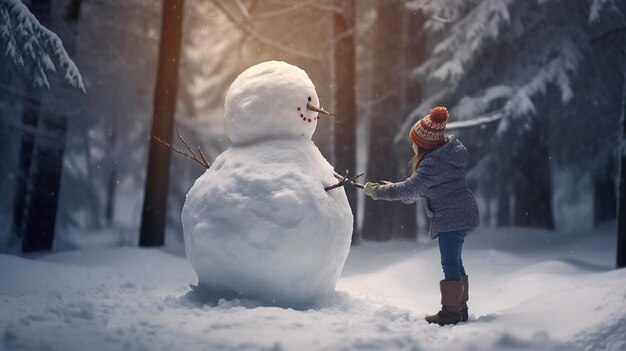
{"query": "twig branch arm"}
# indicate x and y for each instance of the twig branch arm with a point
(352, 182)
(204, 159)
(345, 180)
(191, 155)
(185, 142)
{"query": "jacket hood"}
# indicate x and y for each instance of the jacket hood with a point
(452, 152)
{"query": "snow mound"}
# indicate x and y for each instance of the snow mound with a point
(268, 101)
(259, 224)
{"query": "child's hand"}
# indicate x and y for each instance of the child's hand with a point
(370, 189)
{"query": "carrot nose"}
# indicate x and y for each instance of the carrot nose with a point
(312, 107)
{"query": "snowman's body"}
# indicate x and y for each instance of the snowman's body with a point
(259, 223)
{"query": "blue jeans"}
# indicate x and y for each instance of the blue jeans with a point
(450, 245)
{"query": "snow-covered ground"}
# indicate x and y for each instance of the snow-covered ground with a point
(530, 290)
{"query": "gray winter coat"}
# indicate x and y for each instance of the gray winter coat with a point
(440, 180)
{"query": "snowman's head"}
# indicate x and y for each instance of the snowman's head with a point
(271, 100)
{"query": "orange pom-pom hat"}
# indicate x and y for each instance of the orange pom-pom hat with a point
(428, 131)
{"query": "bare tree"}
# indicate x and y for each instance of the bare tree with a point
(384, 220)
(152, 232)
(621, 202)
(414, 55)
(345, 97)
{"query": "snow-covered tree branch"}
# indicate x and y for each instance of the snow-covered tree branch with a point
(34, 50)
(478, 121)
(540, 51)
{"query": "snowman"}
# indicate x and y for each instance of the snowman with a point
(259, 224)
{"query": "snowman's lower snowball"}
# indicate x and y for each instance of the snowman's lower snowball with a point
(259, 224)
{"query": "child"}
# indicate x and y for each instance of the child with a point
(438, 176)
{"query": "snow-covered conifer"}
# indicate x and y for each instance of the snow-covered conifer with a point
(519, 61)
(34, 50)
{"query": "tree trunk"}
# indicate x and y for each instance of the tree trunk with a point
(533, 186)
(41, 154)
(30, 118)
(503, 215)
(112, 179)
(110, 196)
(604, 200)
(621, 202)
(345, 99)
(152, 232)
(414, 55)
(384, 219)
(42, 197)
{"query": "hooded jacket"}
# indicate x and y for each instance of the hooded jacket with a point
(440, 180)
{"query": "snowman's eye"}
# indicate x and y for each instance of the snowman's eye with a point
(309, 99)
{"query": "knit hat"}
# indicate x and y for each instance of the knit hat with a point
(428, 131)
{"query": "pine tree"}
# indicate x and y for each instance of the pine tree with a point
(501, 58)
(30, 47)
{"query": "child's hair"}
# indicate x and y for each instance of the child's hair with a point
(417, 158)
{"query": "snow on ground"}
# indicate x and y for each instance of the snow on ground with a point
(530, 290)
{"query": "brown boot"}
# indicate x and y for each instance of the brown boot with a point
(451, 295)
(464, 312)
